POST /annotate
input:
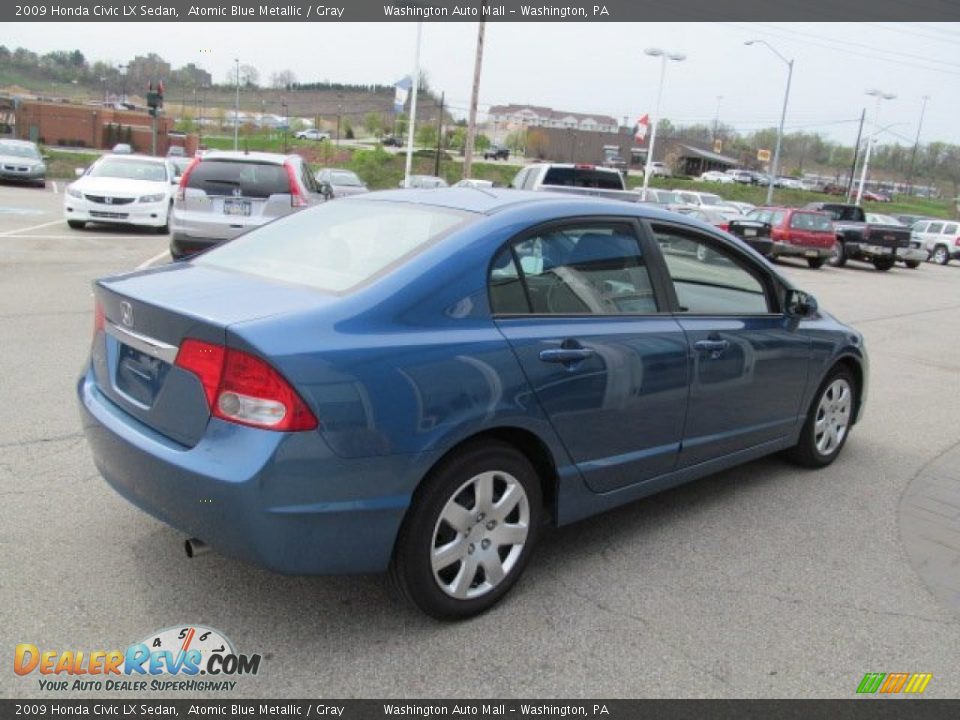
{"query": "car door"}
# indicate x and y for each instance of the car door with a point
(748, 364)
(607, 363)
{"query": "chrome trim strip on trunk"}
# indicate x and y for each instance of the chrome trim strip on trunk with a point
(147, 345)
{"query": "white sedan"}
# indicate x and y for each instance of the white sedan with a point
(312, 134)
(122, 190)
(717, 177)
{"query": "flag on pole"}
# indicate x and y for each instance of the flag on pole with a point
(641, 128)
(402, 89)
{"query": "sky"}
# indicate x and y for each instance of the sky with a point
(588, 67)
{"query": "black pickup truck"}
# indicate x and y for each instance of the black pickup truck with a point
(858, 240)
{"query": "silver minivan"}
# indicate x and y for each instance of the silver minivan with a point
(223, 194)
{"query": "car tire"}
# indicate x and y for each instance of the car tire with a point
(828, 422)
(940, 255)
(815, 263)
(838, 257)
(42, 184)
(456, 554)
(912, 264)
(883, 264)
(76, 224)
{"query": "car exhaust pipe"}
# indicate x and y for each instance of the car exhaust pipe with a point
(195, 548)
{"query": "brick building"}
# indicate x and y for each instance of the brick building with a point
(92, 125)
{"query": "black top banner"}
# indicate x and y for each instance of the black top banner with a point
(473, 10)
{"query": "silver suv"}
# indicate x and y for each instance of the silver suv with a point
(224, 194)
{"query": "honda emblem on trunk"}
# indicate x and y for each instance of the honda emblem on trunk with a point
(108, 200)
(126, 314)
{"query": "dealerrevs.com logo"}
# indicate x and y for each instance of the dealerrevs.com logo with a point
(191, 658)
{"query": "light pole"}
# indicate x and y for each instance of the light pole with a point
(716, 118)
(123, 69)
(664, 56)
(286, 123)
(775, 166)
(408, 165)
(879, 95)
(916, 144)
(236, 110)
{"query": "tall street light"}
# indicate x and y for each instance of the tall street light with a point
(916, 144)
(664, 56)
(236, 110)
(716, 118)
(775, 166)
(879, 95)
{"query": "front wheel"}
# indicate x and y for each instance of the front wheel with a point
(828, 422)
(469, 532)
(76, 224)
(883, 264)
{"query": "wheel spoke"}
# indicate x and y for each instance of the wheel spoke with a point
(508, 534)
(464, 579)
(446, 555)
(493, 570)
(507, 502)
(457, 517)
(483, 488)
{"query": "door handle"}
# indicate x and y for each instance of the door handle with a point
(714, 347)
(567, 356)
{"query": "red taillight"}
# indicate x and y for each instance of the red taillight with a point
(99, 320)
(582, 166)
(296, 197)
(241, 388)
(724, 226)
(181, 190)
(957, 241)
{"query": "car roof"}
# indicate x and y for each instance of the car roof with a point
(488, 201)
(255, 156)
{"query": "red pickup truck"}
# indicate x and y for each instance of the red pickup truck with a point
(798, 232)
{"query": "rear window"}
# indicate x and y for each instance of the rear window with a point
(583, 177)
(336, 246)
(708, 199)
(812, 222)
(844, 213)
(252, 179)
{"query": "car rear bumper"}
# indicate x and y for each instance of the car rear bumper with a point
(784, 249)
(280, 500)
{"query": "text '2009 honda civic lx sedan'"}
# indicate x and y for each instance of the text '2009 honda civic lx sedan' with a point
(417, 381)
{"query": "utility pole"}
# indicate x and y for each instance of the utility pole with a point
(916, 144)
(436, 164)
(474, 97)
(856, 155)
(236, 110)
(875, 137)
(716, 118)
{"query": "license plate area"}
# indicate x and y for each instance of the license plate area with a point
(139, 376)
(811, 253)
(236, 208)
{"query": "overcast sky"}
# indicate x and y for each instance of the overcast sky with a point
(587, 67)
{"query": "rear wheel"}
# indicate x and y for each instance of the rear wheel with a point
(912, 264)
(76, 224)
(470, 531)
(828, 422)
(838, 256)
(941, 256)
(883, 264)
(815, 263)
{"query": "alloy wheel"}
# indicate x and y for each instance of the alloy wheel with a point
(833, 416)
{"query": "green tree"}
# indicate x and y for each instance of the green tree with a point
(373, 122)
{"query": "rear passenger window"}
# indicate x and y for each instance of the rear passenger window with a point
(575, 270)
(949, 229)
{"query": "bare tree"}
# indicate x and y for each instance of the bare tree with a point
(282, 79)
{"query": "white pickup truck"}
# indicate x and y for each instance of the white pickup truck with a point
(575, 179)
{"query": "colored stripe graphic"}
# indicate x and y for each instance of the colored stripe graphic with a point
(893, 683)
(871, 682)
(918, 682)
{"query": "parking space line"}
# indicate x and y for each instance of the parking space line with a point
(55, 190)
(74, 237)
(17, 231)
(151, 261)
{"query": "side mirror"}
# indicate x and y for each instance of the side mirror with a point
(800, 304)
(326, 189)
(175, 180)
(79, 171)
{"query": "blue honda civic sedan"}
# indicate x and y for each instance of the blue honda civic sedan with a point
(418, 381)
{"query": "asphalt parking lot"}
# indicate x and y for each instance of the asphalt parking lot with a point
(763, 581)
